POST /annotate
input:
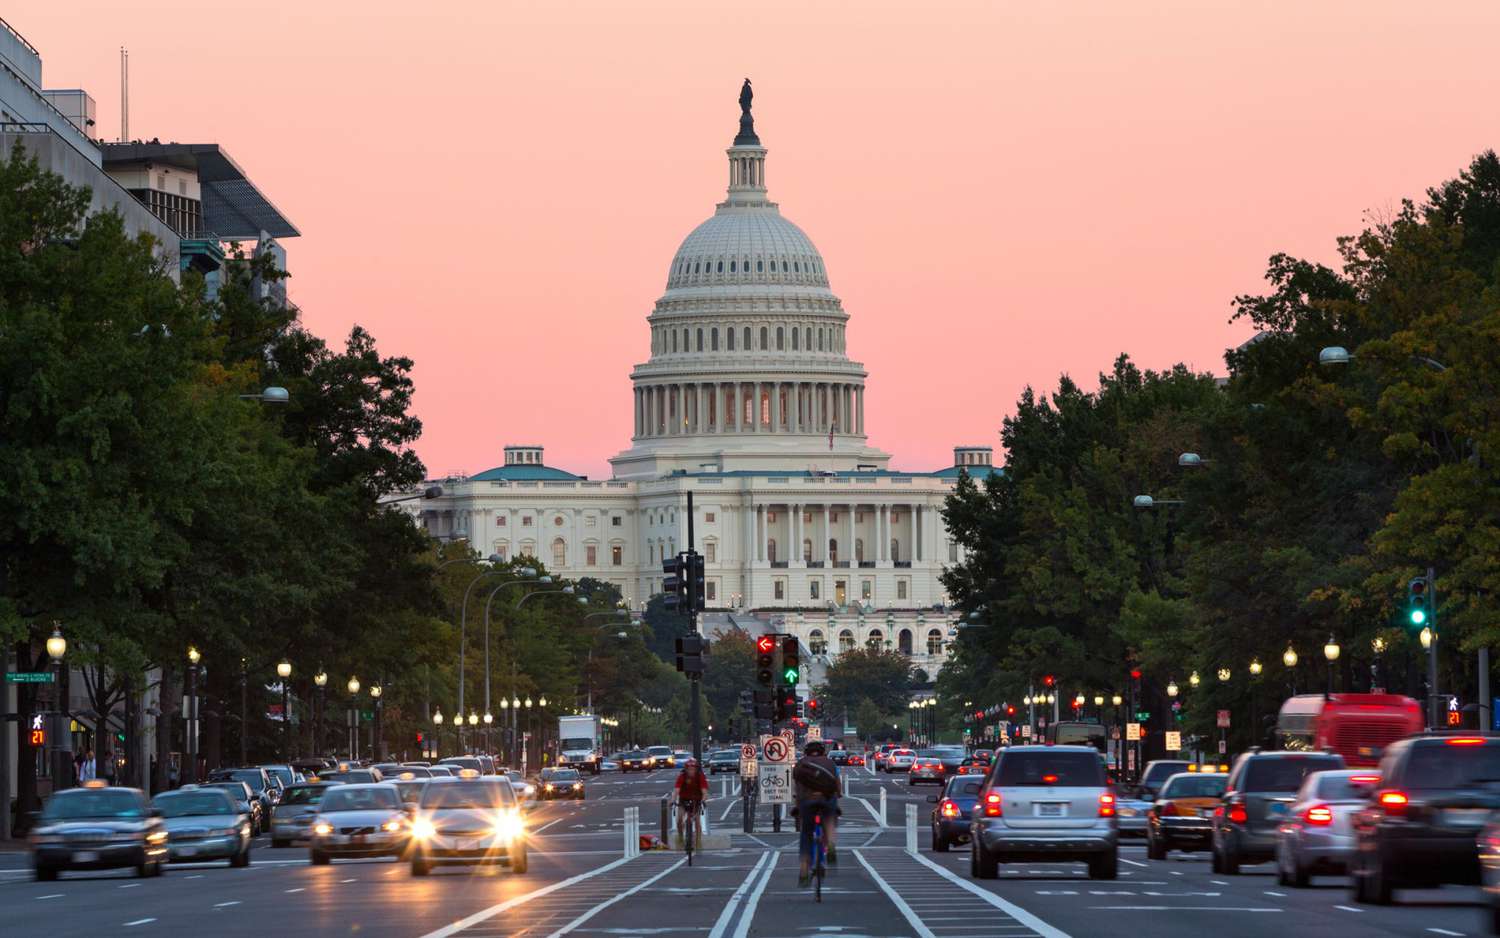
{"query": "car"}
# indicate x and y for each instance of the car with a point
(725, 760)
(260, 784)
(661, 757)
(311, 766)
(560, 783)
(442, 771)
(882, 754)
(975, 763)
(950, 816)
(856, 759)
(524, 791)
(1045, 803)
(204, 824)
(359, 820)
(1182, 816)
(246, 802)
(900, 760)
(1131, 810)
(283, 775)
(292, 819)
(388, 770)
(1489, 872)
(468, 821)
(352, 775)
(1317, 835)
(927, 766)
(839, 756)
(407, 770)
(635, 760)
(1156, 773)
(455, 763)
(1421, 824)
(680, 757)
(1261, 788)
(486, 764)
(97, 828)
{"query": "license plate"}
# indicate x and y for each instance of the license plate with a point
(1466, 817)
(1275, 809)
(85, 856)
(1205, 812)
(470, 843)
(187, 851)
(1049, 810)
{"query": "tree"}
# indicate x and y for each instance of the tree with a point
(873, 674)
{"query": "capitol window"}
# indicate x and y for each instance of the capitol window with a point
(616, 555)
(713, 339)
(708, 517)
(934, 642)
(559, 553)
(712, 589)
(809, 338)
(764, 335)
(721, 267)
(731, 266)
(781, 589)
(616, 521)
(590, 555)
(695, 267)
(557, 522)
(814, 587)
(710, 552)
(500, 521)
(747, 338)
(526, 522)
(867, 590)
(590, 521)
(795, 334)
(674, 340)
(900, 589)
(846, 640)
(700, 340)
(729, 336)
(759, 266)
(815, 641)
(780, 339)
(771, 551)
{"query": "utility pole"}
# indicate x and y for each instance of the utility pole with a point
(694, 601)
(1432, 690)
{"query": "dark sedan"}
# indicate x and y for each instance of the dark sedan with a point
(98, 828)
(634, 761)
(950, 817)
(204, 824)
(560, 783)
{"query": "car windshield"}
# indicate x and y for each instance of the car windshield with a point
(351, 798)
(441, 771)
(94, 803)
(1195, 786)
(1159, 772)
(190, 803)
(660, 750)
(1285, 773)
(415, 771)
(1063, 769)
(634, 754)
(304, 794)
(930, 754)
(468, 795)
(564, 775)
(236, 789)
(254, 779)
(1334, 787)
(281, 773)
(963, 788)
(1450, 767)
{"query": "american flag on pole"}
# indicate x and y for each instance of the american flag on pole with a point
(831, 429)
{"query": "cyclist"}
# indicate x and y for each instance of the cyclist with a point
(816, 779)
(691, 788)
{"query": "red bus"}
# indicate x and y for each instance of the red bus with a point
(1356, 726)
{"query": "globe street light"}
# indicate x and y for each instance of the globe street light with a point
(57, 646)
(1255, 667)
(320, 681)
(353, 686)
(190, 771)
(1426, 638)
(1193, 679)
(379, 742)
(1171, 688)
(1289, 657)
(284, 671)
(1331, 652)
(1224, 674)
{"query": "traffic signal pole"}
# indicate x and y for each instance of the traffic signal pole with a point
(1432, 689)
(694, 601)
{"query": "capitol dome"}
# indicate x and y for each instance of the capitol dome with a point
(749, 366)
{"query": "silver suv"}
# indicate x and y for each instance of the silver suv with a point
(1045, 803)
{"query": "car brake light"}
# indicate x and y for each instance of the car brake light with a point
(1106, 805)
(948, 808)
(1365, 779)
(1394, 802)
(1049, 779)
(992, 805)
(1319, 815)
(1466, 741)
(1237, 814)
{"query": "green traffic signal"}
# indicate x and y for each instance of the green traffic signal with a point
(790, 675)
(1418, 617)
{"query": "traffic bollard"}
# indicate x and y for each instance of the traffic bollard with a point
(911, 829)
(666, 826)
(883, 821)
(632, 832)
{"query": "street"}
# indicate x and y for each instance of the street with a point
(579, 883)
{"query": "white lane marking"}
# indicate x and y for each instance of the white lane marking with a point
(298, 889)
(728, 808)
(130, 885)
(917, 924)
(52, 895)
(1348, 908)
(139, 921)
(726, 916)
(1218, 882)
(590, 913)
(225, 905)
(348, 880)
(549, 824)
(1177, 908)
(871, 808)
(753, 900)
(1014, 911)
(486, 914)
(1444, 931)
(194, 876)
(1272, 892)
(1132, 862)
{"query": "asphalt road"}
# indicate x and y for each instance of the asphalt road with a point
(578, 883)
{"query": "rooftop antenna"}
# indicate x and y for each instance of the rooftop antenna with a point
(124, 95)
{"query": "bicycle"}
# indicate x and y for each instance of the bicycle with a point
(818, 855)
(689, 826)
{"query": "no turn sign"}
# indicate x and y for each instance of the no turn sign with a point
(778, 750)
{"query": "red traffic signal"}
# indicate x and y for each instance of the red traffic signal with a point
(812, 705)
(419, 737)
(1049, 680)
(1010, 710)
(765, 644)
(1135, 674)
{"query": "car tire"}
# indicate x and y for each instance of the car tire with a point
(420, 867)
(1495, 919)
(1229, 865)
(318, 858)
(143, 870)
(1105, 866)
(986, 866)
(1290, 872)
(1155, 849)
(518, 862)
(1374, 887)
(1215, 863)
(939, 843)
(240, 860)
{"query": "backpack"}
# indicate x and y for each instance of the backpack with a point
(811, 774)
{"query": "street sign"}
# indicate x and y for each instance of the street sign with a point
(1174, 741)
(747, 751)
(29, 677)
(748, 768)
(1132, 732)
(778, 750)
(1026, 731)
(775, 785)
(1222, 748)
(1223, 719)
(814, 732)
(789, 734)
(763, 738)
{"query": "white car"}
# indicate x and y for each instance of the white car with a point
(900, 760)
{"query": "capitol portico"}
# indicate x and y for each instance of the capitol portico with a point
(749, 401)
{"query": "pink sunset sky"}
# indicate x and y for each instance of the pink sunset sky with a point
(1002, 191)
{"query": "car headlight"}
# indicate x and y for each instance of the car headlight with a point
(391, 825)
(422, 828)
(530, 789)
(509, 826)
(549, 786)
(322, 827)
(155, 837)
(577, 785)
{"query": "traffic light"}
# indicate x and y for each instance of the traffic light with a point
(672, 586)
(812, 707)
(1049, 680)
(791, 665)
(747, 702)
(1418, 604)
(765, 660)
(786, 705)
(690, 652)
(765, 708)
(696, 588)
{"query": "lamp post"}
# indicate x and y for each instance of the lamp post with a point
(473, 722)
(284, 671)
(526, 743)
(507, 747)
(463, 634)
(1255, 669)
(1289, 658)
(62, 737)
(526, 575)
(379, 747)
(1377, 645)
(320, 680)
(1331, 652)
(437, 732)
(353, 717)
(244, 710)
(190, 771)
(489, 718)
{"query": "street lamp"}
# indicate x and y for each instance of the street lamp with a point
(353, 685)
(1255, 667)
(1224, 674)
(190, 771)
(1193, 679)
(489, 718)
(1331, 652)
(284, 671)
(1289, 657)
(378, 743)
(1171, 688)
(1425, 636)
(351, 716)
(57, 646)
(437, 733)
(62, 759)
(320, 681)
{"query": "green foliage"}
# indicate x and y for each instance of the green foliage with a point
(871, 674)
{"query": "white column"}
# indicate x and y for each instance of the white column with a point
(765, 533)
(849, 544)
(916, 534)
(861, 409)
(885, 532)
(794, 555)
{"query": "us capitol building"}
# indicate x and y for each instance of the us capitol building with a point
(750, 402)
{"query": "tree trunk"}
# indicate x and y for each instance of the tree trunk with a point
(26, 787)
(168, 704)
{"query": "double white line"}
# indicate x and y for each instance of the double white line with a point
(763, 868)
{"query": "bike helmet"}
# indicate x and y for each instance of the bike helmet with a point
(690, 762)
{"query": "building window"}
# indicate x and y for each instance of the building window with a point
(708, 517)
(557, 522)
(590, 555)
(795, 334)
(712, 588)
(559, 553)
(814, 589)
(616, 521)
(700, 339)
(674, 340)
(934, 642)
(747, 338)
(760, 266)
(833, 550)
(771, 517)
(502, 550)
(903, 641)
(780, 339)
(867, 590)
(816, 643)
(764, 335)
(526, 522)
(500, 522)
(846, 640)
(807, 550)
(859, 550)
(900, 589)
(807, 517)
(729, 337)
(953, 552)
(590, 521)
(876, 637)
(895, 549)
(780, 589)
(771, 550)
(616, 555)
(710, 552)
(713, 340)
